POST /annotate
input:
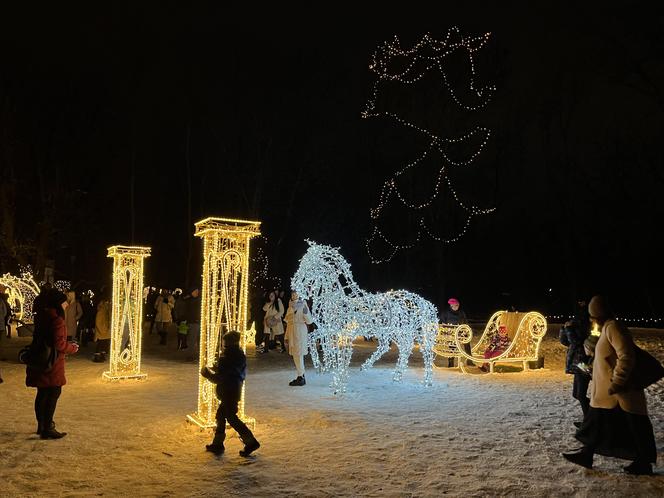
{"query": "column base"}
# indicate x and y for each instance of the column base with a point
(109, 377)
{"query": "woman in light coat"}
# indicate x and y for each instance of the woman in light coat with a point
(273, 327)
(164, 317)
(102, 329)
(617, 422)
(73, 314)
(297, 319)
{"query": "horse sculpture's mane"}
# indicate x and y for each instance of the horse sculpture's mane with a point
(343, 311)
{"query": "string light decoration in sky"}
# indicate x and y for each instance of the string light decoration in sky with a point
(126, 312)
(343, 311)
(391, 63)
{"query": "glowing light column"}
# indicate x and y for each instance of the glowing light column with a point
(127, 312)
(224, 301)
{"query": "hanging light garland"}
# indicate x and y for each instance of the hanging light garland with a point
(429, 53)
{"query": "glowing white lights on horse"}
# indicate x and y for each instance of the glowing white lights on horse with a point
(343, 311)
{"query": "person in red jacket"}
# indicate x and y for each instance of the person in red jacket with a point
(50, 324)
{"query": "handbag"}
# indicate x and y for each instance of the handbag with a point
(647, 370)
(38, 355)
(273, 321)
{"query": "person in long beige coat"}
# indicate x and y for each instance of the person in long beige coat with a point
(297, 319)
(73, 314)
(617, 422)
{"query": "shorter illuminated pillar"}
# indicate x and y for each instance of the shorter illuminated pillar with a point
(126, 312)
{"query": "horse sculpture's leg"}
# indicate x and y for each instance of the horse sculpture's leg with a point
(426, 347)
(342, 350)
(383, 347)
(313, 351)
(405, 349)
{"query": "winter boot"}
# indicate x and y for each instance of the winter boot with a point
(217, 446)
(583, 457)
(40, 428)
(638, 468)
(52, 434)
(298, 382)
(250, 447)
(217, 449)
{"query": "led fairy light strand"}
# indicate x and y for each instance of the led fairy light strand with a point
(126, 312)
(343, 311)
(22, 291)
(382, 58)
(380, 65)
(224, 302)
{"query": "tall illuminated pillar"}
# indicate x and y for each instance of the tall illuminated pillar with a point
(126, 312)
(224, 301)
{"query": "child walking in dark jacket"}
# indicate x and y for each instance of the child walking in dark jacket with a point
(228, 374)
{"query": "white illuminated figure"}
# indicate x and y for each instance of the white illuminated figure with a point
(343, 311)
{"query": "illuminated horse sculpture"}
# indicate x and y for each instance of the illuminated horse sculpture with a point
(343, 311)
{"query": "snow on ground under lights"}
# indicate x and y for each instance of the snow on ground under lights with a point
(470, 435)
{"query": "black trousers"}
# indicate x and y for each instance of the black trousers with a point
(45, 403)
(580, 390)
(103, 346)
(227, 412)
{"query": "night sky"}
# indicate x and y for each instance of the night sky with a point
(194, 112)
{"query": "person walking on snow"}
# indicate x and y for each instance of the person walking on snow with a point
(617, 424)
(573, 335)
(228, 374)
(297, 319)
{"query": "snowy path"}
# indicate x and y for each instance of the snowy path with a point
(470, 435)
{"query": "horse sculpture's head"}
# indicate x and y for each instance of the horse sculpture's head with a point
(320, 271)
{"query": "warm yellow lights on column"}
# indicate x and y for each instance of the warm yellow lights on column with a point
(224, 301)
(127, 312)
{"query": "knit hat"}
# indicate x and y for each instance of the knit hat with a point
(453, 301)
(232, 339)
(599, 308)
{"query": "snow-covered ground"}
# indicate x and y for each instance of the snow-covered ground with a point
(468, 435)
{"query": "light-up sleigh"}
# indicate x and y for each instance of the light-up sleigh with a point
(522, 337)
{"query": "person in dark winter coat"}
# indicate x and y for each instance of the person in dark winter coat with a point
(193, 316)
(228, 374)
(617, 423)
(573, 334)
(52, 329)
(454, 315)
